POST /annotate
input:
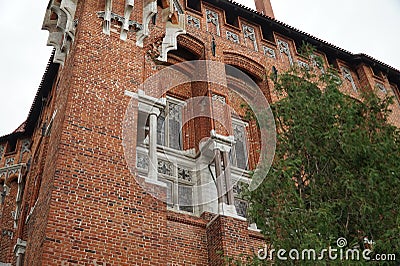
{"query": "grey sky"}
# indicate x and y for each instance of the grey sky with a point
(367, 26)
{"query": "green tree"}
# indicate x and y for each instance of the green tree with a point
(336, 171)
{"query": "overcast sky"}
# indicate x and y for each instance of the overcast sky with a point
(359, 26)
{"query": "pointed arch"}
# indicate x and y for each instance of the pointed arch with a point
(192, 44)
(246, 64)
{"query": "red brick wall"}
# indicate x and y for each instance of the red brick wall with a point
(89, 208)
(7, 224)
(187, 240)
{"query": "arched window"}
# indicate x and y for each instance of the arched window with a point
(169, 125)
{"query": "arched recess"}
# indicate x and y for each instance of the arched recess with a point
(246, 64)
(257, 73)
(252, 68)
(189, 48)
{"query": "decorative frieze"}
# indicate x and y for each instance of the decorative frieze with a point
(212, 18)
(285, 50)
(249, 33)
(25, 146)
(269, 52)
(11, 170)
(165, 167)
(381, 87)
(217, 97)
(232, 37)
(142, 161)
(8, 233)
(9, 162)
(317, 62)
(184, 174)
(347, 75)
(303, 64)
(336, 79)
(193, 21)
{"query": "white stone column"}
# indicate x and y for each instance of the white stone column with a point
(218, 177)
(153, 162)
(19, 251)
(228, 178)
(216, 149)
(151, 106)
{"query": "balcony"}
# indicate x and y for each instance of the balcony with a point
(190, 180)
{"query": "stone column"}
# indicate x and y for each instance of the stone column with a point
(218, 176)
(228, 178)
(19, 250)
(216, 149)
(152, 107)
(153, 162)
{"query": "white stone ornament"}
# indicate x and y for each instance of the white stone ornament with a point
(149, 11)
(172, 30)
(125, 25)
(284, 49)
(347, 75)
(62, 28)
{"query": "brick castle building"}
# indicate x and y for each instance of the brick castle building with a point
(78, 189)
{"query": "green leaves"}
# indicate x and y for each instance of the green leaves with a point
(336, 171)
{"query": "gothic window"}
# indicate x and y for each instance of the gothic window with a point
(185, 197)
(169, 125)
(142, 128)
(170, 201)
(239, 150)
(179, 181)
(240, 204)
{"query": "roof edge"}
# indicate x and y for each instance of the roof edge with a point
(26, 128)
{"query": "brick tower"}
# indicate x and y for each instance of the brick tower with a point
(265, 7)
(77, 189)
